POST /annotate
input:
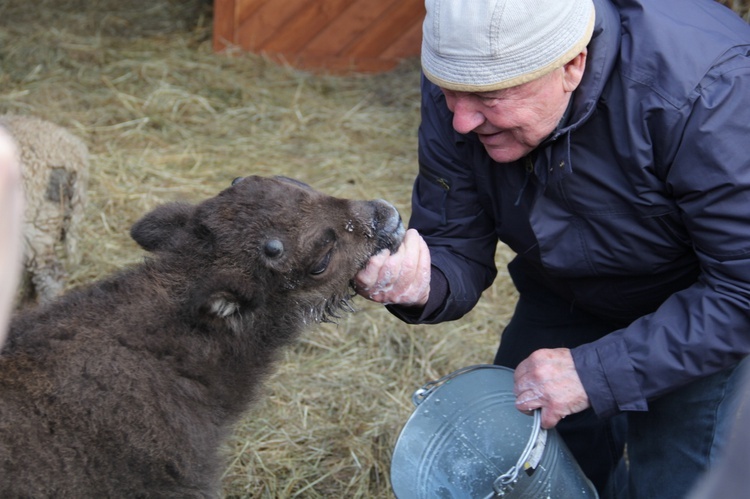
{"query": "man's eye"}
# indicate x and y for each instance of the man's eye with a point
(322, 265)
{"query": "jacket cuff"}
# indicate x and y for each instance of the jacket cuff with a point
(608, 377)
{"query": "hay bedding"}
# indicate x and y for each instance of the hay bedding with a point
(166, 119)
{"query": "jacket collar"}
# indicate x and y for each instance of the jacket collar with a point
(602, 55)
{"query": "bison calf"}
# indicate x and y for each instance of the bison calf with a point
(126, 387)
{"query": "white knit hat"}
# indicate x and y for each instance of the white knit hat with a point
(483, 45)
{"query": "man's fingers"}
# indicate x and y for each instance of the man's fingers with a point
(549, 419)
(367, 277)
(547, 380)
(400, 278)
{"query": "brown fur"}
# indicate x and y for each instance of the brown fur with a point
(126, 388)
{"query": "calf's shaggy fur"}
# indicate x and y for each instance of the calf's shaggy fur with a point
(126, 387)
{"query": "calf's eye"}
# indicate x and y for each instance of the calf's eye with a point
(273, 248)
(322, 265)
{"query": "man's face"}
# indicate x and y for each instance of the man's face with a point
(513, 121)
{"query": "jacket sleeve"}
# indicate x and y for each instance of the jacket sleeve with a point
(448, 214)
(705, 327)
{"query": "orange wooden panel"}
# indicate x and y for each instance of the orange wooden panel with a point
(409, 44)
(267, 21)
(305, 26)
(333, 35)
(385, 29)
(245, 9)
(224, 27)
(348, 27)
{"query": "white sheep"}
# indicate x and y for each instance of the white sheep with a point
(11, 207)
(54, 166)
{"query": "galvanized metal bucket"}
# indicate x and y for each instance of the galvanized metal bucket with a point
(466, 439)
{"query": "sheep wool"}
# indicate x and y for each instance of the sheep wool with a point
(54, 165)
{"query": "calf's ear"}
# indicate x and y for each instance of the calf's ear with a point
(162, 228)
(222, 295)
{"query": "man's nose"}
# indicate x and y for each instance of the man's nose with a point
(466, 117)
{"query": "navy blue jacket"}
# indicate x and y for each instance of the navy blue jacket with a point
(637, 207)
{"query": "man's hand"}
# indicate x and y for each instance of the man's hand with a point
(401, 278)
(548, 380)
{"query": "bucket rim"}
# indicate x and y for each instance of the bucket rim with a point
(503, 481)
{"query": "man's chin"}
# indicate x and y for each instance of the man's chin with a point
(504, 154)
(502, 150)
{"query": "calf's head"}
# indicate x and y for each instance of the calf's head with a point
(273, 244)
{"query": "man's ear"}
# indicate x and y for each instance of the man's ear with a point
(162, 228)
(573, 71)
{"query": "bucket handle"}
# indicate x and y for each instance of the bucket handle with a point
(504, 483)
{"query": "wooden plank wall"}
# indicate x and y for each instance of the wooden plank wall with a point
(330, 35)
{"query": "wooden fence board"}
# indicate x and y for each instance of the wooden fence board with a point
(386, 28)
(268, 21)
(306, 25)
(331, 35)
(224, 24)
(409, 42)
(348, 27)
(245, 8)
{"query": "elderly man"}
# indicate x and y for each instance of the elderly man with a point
(605, 143)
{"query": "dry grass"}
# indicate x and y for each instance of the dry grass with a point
(741, 7)
(166, 119)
